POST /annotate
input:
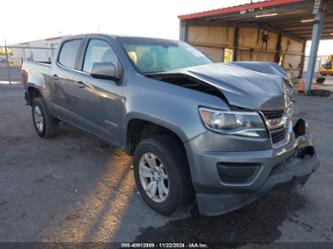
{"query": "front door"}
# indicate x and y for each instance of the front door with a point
(101, 105)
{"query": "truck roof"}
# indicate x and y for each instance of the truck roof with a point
(115, 36)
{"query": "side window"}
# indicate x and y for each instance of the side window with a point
(68, 53)
(98, 51)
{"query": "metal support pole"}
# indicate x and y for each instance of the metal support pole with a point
(319, 12)
(278, 49)
(301, 72)
(183, 31)
(236, 43)
(8, 68)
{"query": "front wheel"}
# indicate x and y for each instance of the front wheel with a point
(45, 124)
(162, 174)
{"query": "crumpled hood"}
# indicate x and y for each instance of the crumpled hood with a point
(251, 85)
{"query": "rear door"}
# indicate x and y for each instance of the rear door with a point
(64, 79)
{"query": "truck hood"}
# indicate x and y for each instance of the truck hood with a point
(250, 85)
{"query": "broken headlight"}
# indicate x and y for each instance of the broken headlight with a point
(248, 124)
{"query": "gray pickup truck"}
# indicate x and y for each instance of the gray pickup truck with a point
(217, 134)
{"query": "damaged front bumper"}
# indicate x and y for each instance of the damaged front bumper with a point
(225, 181)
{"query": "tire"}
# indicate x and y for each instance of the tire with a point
(320, 93)
(320, 80)
(45, 124)
(172, 157)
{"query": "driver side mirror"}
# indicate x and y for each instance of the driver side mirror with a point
(106, 70)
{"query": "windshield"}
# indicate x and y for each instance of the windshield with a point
(155, 55)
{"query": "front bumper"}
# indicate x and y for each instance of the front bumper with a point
(216, 194)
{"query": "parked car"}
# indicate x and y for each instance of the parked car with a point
(218, 134)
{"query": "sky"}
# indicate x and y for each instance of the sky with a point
(26, 20)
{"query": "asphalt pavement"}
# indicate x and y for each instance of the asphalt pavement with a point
(14, 74)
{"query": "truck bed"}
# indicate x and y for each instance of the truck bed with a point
(35, 72)
(37, 67)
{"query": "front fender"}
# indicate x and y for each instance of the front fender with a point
(181, 133)
(167, 105)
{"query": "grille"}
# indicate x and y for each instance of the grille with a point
(273, 114)
(278, 133)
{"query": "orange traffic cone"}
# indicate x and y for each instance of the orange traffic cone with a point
(301, 87)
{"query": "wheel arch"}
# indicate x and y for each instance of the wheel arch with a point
(33, 92)
(139, 127)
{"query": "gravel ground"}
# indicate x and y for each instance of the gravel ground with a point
(76, 187)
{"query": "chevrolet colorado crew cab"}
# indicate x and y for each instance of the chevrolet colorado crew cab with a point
(217, 134)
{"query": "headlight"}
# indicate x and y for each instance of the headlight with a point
(247, 124)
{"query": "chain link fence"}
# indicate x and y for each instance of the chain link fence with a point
(12, 58)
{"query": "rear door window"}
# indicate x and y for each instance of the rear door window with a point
(68, 53)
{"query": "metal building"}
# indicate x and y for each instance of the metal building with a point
(38, 50)
(273, 30)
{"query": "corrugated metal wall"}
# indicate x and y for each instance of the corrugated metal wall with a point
(211, 40)
(254, 44)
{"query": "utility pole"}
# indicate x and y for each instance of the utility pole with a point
(8, 68)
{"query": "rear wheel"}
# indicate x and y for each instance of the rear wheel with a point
(162, 174)
(45, 124)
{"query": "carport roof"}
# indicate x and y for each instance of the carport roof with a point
(293, 17)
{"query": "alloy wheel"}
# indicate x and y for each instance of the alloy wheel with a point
(153, 177)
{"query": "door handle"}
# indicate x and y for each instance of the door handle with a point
(55, 77)
(80, 84)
